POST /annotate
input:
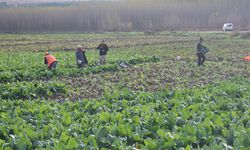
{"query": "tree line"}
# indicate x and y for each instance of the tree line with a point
(127, 15)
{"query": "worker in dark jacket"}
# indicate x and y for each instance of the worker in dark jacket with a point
(50, 61)
(103, 49)
(201, 50)
(81, 59)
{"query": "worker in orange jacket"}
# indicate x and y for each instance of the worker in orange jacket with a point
(50, 60)
(247, 58)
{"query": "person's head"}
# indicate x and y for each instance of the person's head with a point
(201, 40)
(46, 53)
(79, 47)
(103, 41)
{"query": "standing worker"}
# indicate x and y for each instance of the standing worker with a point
(81, 59)
(103, 48)
(201, 50)
(50, 61)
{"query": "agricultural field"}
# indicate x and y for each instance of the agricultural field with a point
(157, 102)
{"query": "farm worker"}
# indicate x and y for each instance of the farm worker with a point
(81, 59)
(103, 48)
(247, 58)
(201, 50)
(50, 60)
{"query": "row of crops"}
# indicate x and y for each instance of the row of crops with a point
(41, 72)
(30, 42)
(214, 117)
(31, 90)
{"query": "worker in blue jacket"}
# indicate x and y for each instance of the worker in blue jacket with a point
(81, 59)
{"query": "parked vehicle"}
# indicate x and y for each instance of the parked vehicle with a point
(228, 27)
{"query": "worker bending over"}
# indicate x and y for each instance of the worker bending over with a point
(50, 61)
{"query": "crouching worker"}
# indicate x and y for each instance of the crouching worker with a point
(50, 61)
(81, 59)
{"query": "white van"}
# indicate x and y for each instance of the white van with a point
(228, 27)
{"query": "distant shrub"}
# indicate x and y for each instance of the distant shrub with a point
(220, 58)
(234, 34)
(245, 35)
(150, 33)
